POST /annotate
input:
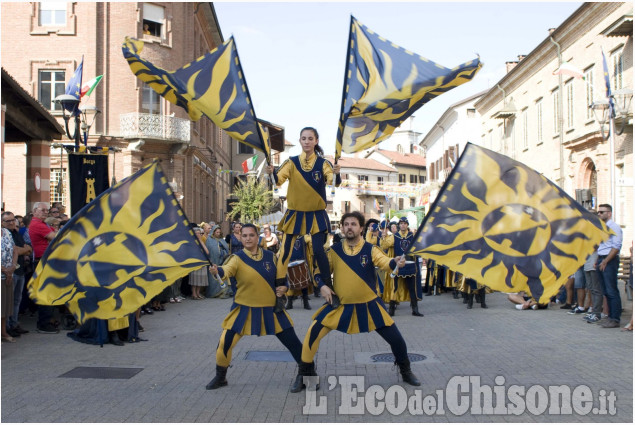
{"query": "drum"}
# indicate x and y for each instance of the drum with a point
(298, 275)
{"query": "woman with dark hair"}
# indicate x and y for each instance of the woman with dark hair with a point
(308, 174)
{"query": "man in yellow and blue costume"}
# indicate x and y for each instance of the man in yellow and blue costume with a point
(252, 312)
(407, 282)
(353, 264)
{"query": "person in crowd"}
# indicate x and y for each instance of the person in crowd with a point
(207, 228)
(9, 264)
(252, 312)
(41, 235)
(218, 253)
(406, 285)
(353, 264)
(23, 250)
(308, 175)
(271, 241)
(235, 245)
(198, 278)
(607, 264)
(524, 302)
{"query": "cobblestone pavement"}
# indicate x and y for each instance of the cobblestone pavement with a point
(535, 349)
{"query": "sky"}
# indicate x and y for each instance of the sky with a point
(293, 53)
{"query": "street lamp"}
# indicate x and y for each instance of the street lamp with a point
(81, 119)
(606, 111)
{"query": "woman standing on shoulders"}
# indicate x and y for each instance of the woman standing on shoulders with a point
(308, 174)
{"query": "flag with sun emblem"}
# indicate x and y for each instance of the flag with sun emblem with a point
(119, 251)
(504, 225)
(213, 85)
(384, 84)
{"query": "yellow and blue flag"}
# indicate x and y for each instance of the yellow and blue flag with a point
(119, 251)
(506, 226)
(384, 84)
(213, 85)
(73, 88)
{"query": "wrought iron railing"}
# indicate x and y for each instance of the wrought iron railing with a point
(135, 125)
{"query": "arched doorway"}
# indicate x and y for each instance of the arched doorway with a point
(589, 184)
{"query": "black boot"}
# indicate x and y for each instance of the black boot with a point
(455, 294)
(289, 305)
(219, 380)
(470, 300)
(280, 300)
(483, 305)
(464, 298)
(304, 369)
(305, 301)
(392, 307)
(477, 296)
(406, 373)
(113, 338)
(415, 308)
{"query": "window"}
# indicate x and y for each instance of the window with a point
(400, 149)
(422, 179)
(471, 112)
(362, 178)
(539, 120)
(52, 13)
(432, 170)
(153, 18)
(151, 103)
(524, 128)
(617, 67)
(380, 181)
(58, 192)
(569, 91)
(51, 85)
(413, 179)
(555, 97)
(412, 202)
(588, 80)
(243, 148)
(402, 178)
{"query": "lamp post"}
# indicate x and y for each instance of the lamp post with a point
(606, 111)
(81, 119)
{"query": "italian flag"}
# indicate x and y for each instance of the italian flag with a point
(567, 69)
(88, 88)
(250, 164)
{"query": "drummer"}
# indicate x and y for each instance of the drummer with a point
(407, 284)
(300, 271)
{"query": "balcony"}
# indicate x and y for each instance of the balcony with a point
(136, 125)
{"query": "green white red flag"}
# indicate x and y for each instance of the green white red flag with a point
(250, 164)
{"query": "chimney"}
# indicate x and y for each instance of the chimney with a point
(510, 65)
(521, 57)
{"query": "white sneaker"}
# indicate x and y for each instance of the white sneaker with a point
(519, 306)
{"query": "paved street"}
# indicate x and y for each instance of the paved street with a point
(546, 348)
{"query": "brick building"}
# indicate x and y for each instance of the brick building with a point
(43, 43)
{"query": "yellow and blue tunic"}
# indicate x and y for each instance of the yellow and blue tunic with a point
(397, 289)
(375, 240)
(306, 195)
(251, 312)
(361, 309)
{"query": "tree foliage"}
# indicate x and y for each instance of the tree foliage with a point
(255, 199)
